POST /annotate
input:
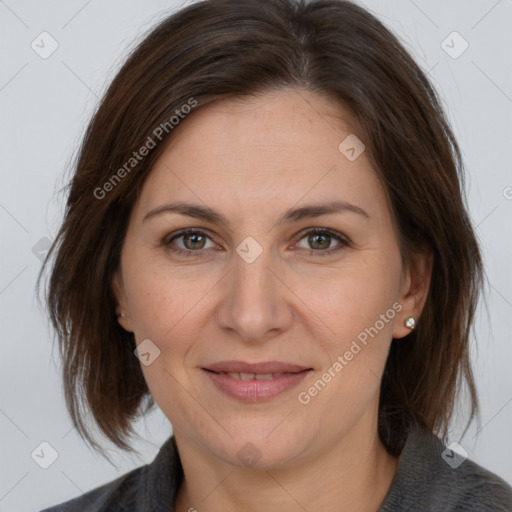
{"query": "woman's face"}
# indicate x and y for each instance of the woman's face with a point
(259, 286)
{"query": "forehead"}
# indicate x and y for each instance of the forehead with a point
(260, 152)
(278, 118)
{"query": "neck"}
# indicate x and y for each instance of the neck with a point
(354, 474)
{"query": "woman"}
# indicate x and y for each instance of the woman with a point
(266, 236)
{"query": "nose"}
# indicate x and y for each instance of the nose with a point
(255, 303)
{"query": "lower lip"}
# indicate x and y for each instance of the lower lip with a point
(255, 390)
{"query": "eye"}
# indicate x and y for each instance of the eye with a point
(194, 241)
(322, 238)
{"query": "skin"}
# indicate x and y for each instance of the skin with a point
(251, 159)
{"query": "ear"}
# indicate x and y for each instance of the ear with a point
(414, 290)
(119, 292)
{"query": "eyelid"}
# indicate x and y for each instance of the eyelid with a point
(168, 239)
(343, 240)
(318, 230)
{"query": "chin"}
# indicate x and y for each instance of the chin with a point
(262, 447)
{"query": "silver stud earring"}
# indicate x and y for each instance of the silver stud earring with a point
(120, 315)
(410, 322)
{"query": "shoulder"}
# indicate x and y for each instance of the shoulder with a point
(431, 477)
(117, 495)
(150, 487)
(473, 488)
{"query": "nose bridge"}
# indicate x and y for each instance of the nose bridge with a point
(251, 270)
(252, 303)
(251, 276)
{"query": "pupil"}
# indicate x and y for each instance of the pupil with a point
(324, 237)
(194, 236)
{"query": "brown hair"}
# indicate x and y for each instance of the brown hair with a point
(216, 49)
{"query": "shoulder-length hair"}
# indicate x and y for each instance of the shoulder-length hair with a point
(216, 49)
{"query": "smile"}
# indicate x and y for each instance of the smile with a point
(250, 376)
(254, 387)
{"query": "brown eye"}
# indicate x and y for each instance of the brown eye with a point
(192, 242)
(320, 241)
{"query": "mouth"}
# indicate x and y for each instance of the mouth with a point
(255, 382)
(262, 368)
(251, 376)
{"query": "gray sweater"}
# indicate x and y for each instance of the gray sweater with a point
(424, 482)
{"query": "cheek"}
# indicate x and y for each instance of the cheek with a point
(161, 298)
(337, 303)
(358, 301)
(163, 308)
(358, 311)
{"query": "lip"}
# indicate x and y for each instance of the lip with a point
(263, 367)
(255, 390)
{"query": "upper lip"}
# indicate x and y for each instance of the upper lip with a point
(257, 368)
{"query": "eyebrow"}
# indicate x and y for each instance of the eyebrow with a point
(292, 215)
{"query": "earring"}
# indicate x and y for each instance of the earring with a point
(120, 315)
(411, 322)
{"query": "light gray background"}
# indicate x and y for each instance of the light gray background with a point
(45, 105)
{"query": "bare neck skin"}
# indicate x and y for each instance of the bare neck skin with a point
(354, 475)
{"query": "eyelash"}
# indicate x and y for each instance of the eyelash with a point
(315, 231)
